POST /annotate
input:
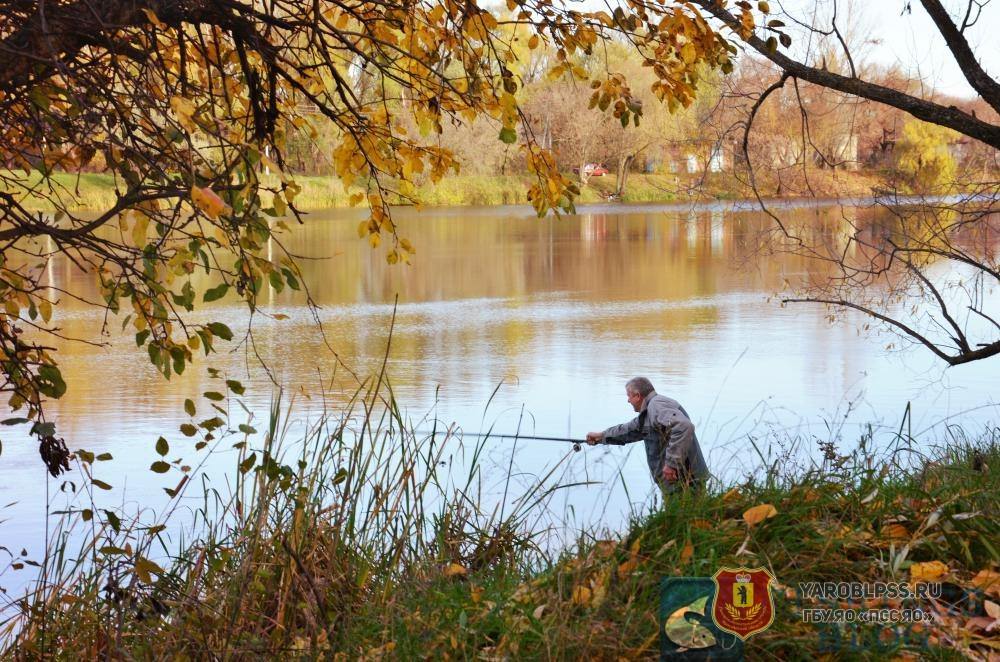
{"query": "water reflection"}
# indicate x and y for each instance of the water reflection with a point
(559, 311)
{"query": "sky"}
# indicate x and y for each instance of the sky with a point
(888, 35)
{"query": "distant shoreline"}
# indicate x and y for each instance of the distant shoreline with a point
(714, 192)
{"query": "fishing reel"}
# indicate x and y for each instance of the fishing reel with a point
(576, 447)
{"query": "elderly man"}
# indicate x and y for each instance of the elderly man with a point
(672, 450)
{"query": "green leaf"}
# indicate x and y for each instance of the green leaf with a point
(113, 520)
(189, 407)
(221, 330)
(144, 568)
(508, 135)
(189, 430)
(162, 447)
(159, 467)
(246, 429)
(50, 381)
(235, 386)
(14, 421)
(214, 395)
(104, 457)
(100, 484)
(247, 464)
(44, 430)
(216, 293)
(212, 423)
(87, 514)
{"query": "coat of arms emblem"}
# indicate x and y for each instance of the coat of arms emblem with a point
(743, 605)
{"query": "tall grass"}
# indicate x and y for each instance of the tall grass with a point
(356, 542)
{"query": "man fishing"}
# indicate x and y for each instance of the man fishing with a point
(672, 450)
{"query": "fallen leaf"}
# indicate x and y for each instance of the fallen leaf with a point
(687, 552)
(992, 609)
(988, 581)
(895, 532)
(928, 572)
(455, 570)
(581, 595)
(758, 514)
(983, 623)
(703, 524)
(627, 567)
(539, 610)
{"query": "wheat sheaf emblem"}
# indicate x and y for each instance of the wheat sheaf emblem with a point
(743, 614)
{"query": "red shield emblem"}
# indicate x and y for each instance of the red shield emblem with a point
(743, 605)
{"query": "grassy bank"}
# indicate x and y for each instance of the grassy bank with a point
(97, 191)
(357, 543)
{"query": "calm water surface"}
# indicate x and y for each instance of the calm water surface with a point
(557, 312)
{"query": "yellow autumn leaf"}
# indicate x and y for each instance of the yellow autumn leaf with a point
(153, 18)
(533, 42)
(208, 201)
(688, 53)
(758, 514)
(183, 109)
(455, 570)
(45, 308)
(928, 572)
(139, 230)
(581, 595)
(988, 581)
(732, 495)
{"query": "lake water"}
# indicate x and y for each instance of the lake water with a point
(558, 312)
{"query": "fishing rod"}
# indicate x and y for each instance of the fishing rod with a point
(576, 442)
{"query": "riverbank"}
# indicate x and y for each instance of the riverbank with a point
(92, 191)
(358, 552)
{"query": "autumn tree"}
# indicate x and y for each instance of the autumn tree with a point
(922, 154)
(190, 105)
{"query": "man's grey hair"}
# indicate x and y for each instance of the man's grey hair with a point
(639, 385)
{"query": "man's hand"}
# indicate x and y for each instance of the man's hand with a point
(594, 437)
(669, 473)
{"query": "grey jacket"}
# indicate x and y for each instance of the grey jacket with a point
(669, 435)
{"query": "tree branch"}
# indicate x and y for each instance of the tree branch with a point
(980, 81)
(946, 116)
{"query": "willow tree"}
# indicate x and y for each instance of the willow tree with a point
(187, 104)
